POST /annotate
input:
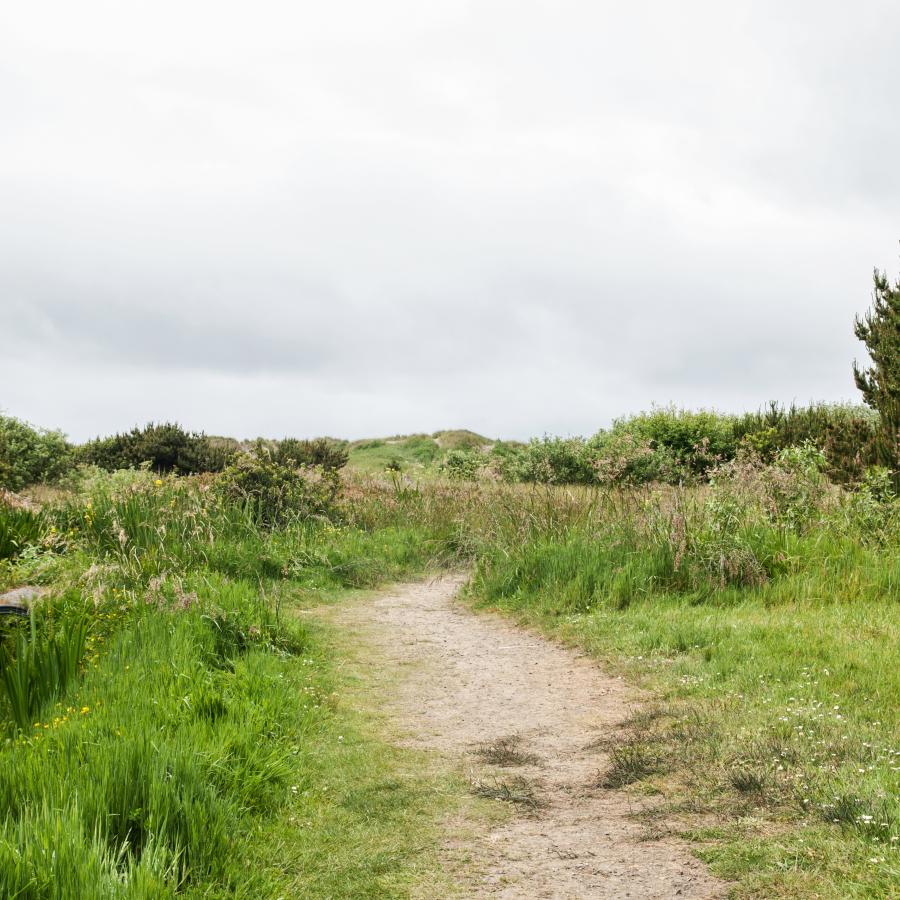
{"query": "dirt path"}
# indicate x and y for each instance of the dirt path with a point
(460, 681)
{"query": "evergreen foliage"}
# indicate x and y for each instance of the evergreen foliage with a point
(166, 447)
(329, 454)
(879, 330)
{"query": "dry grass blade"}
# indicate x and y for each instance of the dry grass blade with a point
(519, 791)
(506, 751)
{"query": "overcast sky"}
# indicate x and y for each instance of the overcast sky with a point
(362, 218)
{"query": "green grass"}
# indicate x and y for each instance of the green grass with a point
(781, 700)
(763, 613)
(201, 756)
(19, 528)
(213, 747)
(417, 455)
(203, 749)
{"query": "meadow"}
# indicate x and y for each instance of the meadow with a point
(173, 728)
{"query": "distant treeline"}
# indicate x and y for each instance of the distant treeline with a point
(681, 446)
(30, 455)
(664, 445)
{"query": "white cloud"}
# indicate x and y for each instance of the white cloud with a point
(361, 218)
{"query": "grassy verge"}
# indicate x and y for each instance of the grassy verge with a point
(202, 748)
(778, 702)
(186, 762)
(761, 610)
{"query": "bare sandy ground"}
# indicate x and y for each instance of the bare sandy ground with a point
(459, 681)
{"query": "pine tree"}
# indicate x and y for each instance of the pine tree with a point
(879, 330)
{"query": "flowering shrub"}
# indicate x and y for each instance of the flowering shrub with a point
(683, 444)
(624, 459)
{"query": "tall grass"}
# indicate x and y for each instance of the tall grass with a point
(38, 670)
(19, 528)
(761, 606)
(762, 609)
(199, 724)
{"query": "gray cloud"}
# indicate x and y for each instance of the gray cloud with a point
(361, 218)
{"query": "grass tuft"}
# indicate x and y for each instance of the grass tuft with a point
(629, 763)
(518, 791)
(506, 751)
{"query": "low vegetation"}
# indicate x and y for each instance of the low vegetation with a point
(760, 604)
(29, 455)
(170, 730)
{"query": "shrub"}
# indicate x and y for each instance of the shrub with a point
(684, 444)
(329, 454)
(712, 542)
(623, 458)
(166, 448)
(29, 455)
(872, 510)
(737, 532)
(846, 433)
(275, 493)
(505, 460)
(554, 460)
(797, 487)
(89, 480)
(462, 465)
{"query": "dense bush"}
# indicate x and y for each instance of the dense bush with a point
(624, 458)
(166, 447)
(503, 459)
(846, 433)
(684, 443)
(328, 454)
(672, 446)
(462, 465)
(29, 455)
(275, 493)
(554, 460)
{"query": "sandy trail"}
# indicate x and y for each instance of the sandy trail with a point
(458, 680)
